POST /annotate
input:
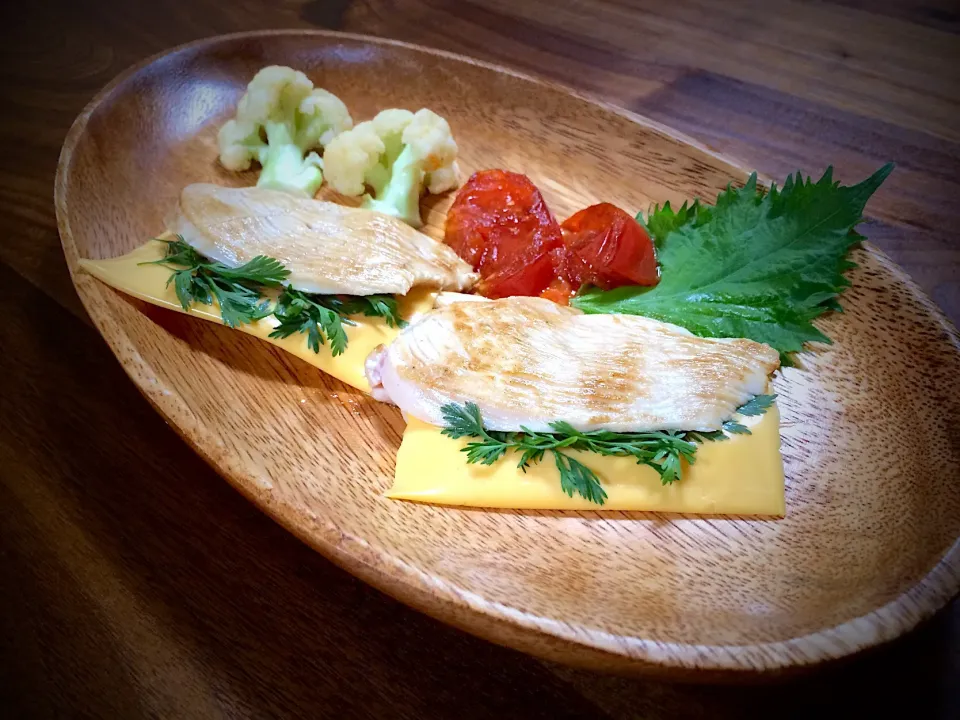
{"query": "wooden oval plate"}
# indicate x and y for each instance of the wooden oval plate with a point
(870, 425)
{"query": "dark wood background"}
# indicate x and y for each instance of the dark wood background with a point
(135, 583)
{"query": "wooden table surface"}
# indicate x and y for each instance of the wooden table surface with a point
(135, 583)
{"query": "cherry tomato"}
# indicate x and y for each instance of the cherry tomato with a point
(518, 278)
(559, 291)
(500, 224)
(607, 248)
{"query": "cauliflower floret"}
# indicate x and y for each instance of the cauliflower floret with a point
(396, 155)
(281, 120)
(354, 158)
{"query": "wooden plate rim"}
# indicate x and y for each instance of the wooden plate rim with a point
(503, 624)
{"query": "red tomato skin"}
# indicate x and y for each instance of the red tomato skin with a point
(559, 291)
(525, 278)
(607, 248)
(500, 224)
(570, 268)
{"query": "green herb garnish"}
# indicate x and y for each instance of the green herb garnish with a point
(384, 306)
(756, 406)
(663, 451)
(755, 265)
(300, 312)
(323, 316)
(239, 293)
(238, 290)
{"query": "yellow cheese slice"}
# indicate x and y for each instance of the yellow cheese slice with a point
(149, 283)
(739, 476)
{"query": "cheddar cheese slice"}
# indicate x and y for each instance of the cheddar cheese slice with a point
(742, 475)
(149, 283)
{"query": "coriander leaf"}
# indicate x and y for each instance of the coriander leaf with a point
(756, 266)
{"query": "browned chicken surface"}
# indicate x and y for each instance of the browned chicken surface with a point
(328, 248)
(527, 362)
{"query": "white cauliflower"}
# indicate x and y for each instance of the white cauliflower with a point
(395, 155)
(281, 121)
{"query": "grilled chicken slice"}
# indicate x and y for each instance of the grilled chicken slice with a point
(328, 248)
(527, 362)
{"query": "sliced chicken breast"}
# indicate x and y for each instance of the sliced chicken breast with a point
(527, 362)
(328, 248)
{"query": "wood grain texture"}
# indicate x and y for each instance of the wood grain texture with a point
(775, 86)
(869, 545)
(209, 578)
(150, 588)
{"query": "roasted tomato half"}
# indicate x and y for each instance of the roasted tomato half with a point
(607, 248)
(500, 224)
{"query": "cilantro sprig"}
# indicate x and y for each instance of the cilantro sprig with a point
(664, 451)
(239, 291)
(756, 265)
